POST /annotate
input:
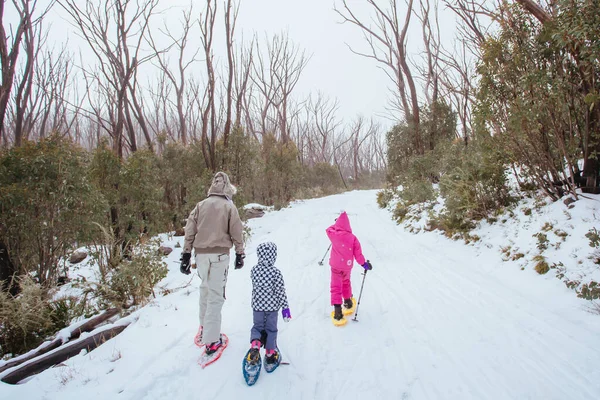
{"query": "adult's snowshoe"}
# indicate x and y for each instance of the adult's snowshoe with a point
(206, 359)
(198, 338)
(251, 366)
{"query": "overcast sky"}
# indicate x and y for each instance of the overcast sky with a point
(357, 82)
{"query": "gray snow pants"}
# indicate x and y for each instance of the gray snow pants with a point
(212, 269)
(265, 324)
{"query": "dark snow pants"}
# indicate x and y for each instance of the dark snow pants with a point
(265, 328)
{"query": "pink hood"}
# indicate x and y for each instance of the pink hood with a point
(345, 247)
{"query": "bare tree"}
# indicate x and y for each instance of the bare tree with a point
(431, 39)
(360, 132)
(458, 81)
(325, 123)
(53, 82)
(10, 45)
(275, 80)
(243, 68)
(207, 25)
(115, 32)
(176, 78)
(231, 13)
(387, 39)
(476, 17)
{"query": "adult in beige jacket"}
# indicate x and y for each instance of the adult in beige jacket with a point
(212, 228)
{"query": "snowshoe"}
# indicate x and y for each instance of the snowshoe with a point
(349, 306)
(251, 366)
(208, 357)
(337, 316)
(198, 338)
(272, 361)
(338, 322)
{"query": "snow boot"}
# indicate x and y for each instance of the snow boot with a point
(349, 306)
(272, 356)
(253, 356)
(337, 312)
(348, 303)
(337, 316)
(213, 347)
(272, 360)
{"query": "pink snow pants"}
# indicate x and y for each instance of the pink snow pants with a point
(341, 288)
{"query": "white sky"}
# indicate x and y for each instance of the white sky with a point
(357, 82)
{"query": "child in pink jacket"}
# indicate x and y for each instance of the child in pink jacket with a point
(345, 248)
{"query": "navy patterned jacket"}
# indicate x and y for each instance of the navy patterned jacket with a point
(268, 288)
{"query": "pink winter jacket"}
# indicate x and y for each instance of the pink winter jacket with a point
(345, 247)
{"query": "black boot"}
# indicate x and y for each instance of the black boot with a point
(253, 356)
(337, 312)
(348, 303)
(272, 358)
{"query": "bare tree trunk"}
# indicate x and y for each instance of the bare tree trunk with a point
(230, 20)
(277, 81)
(9, 55)
(115, 32)
(535, 10)
(241, 82)
(207, 25)
(387, 42)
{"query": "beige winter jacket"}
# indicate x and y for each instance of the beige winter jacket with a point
(214, 225)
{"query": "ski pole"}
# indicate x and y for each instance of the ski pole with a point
(360, 295)
(321, 262)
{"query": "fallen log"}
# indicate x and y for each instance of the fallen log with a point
(64, 353)
(92, 323)
(88, 326)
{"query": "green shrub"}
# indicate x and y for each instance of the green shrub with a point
(474, 186)
(594, 237)
(452, 224)
(400, 212)
(181, 172)
(134, 191)
(47, 204)
(384, 197)
(589, 291)
(324, 176)
(130, 283)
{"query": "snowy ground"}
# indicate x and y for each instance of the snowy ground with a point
(438, 320)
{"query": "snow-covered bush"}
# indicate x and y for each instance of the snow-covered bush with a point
(384, 197)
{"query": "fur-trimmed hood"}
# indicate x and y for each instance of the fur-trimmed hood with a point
(221, 186)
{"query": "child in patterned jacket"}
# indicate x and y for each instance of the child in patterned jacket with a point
(268, 297)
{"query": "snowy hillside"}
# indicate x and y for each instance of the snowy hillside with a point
(437, 320)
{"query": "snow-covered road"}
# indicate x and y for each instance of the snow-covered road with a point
(437, 320)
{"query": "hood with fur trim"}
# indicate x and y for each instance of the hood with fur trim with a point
(221, 186)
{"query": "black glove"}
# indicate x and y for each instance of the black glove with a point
(367, 265)
(239, 260)
(185, 263)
